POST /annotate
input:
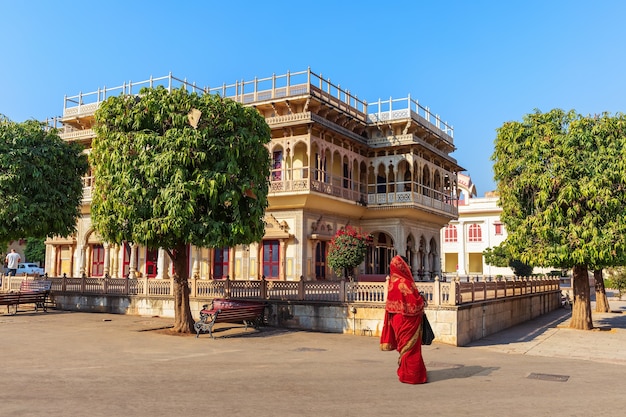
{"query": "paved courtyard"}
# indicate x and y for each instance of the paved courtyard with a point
(80, 364)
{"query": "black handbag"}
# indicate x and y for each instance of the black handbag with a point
(427, 332)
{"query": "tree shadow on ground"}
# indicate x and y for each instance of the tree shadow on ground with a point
(239, 331)
(615, 319)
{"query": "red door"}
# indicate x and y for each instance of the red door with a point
(271, 259)
(151, 262)
(320, 260)
(97, 260)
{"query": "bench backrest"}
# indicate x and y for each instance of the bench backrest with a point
(224, 304)
(35, 285)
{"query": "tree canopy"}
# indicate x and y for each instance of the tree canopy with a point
(41, 184)
(562, 180)
(178, 168)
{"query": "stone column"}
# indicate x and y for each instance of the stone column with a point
(161, 264)
(107, 261)
(283, 260)
(55, 265)
(195, 272)
(426, 258)
(133, 261)
(259, 259)
(115, 273)
(231, 263)
(81, 260)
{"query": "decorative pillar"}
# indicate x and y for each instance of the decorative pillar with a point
(81, 260)
(245, 269)
(133, 261)
(115, 273)
(72, 254)
(283, 260)
(162, 264)
(211, 262)
(195, 272)
(259, 259)
(55, 265)
(107, 261)
(311, 264)
(426, 257)
(87, 260)
(231, 263)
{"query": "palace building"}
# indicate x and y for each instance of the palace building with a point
(477, 228)
(385, 167)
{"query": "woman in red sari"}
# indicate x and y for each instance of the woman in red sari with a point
(402, 328)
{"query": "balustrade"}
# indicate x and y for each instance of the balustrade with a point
(437, 292)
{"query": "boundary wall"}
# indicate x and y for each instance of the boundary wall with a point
(455, 325)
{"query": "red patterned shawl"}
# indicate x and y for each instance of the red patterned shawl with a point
(403, 296)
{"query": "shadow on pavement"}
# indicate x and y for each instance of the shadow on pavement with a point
(615, 319)
(455, 371)
(239, 331)
(527, 331)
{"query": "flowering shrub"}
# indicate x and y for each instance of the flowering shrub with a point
(347, 250)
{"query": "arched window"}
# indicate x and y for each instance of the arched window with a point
(277, 165)
(474, 233)
(450, 234)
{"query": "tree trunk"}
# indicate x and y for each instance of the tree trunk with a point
(581, 309)
(183, 320)
(602, 302)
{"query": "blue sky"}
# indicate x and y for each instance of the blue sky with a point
(477, 64)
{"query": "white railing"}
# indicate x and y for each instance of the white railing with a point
(272, 88)
(85, 103)
(405, 108)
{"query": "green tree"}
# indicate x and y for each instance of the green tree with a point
(177, 168)
(562, 183)
(35, 250)
(500, 256)
(617, 279)
(40, 181)
(347, 250)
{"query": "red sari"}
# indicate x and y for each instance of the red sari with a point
(402, 328)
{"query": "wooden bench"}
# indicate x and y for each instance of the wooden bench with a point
(230, 311)
(31, 292)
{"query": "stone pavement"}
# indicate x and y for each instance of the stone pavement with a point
(80, 364)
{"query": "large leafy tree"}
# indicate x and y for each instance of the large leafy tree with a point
(178, 168)
(562, 184)
(40, 181)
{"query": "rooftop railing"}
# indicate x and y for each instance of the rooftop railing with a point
(270, 88)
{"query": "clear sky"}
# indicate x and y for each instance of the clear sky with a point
(477, 64)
